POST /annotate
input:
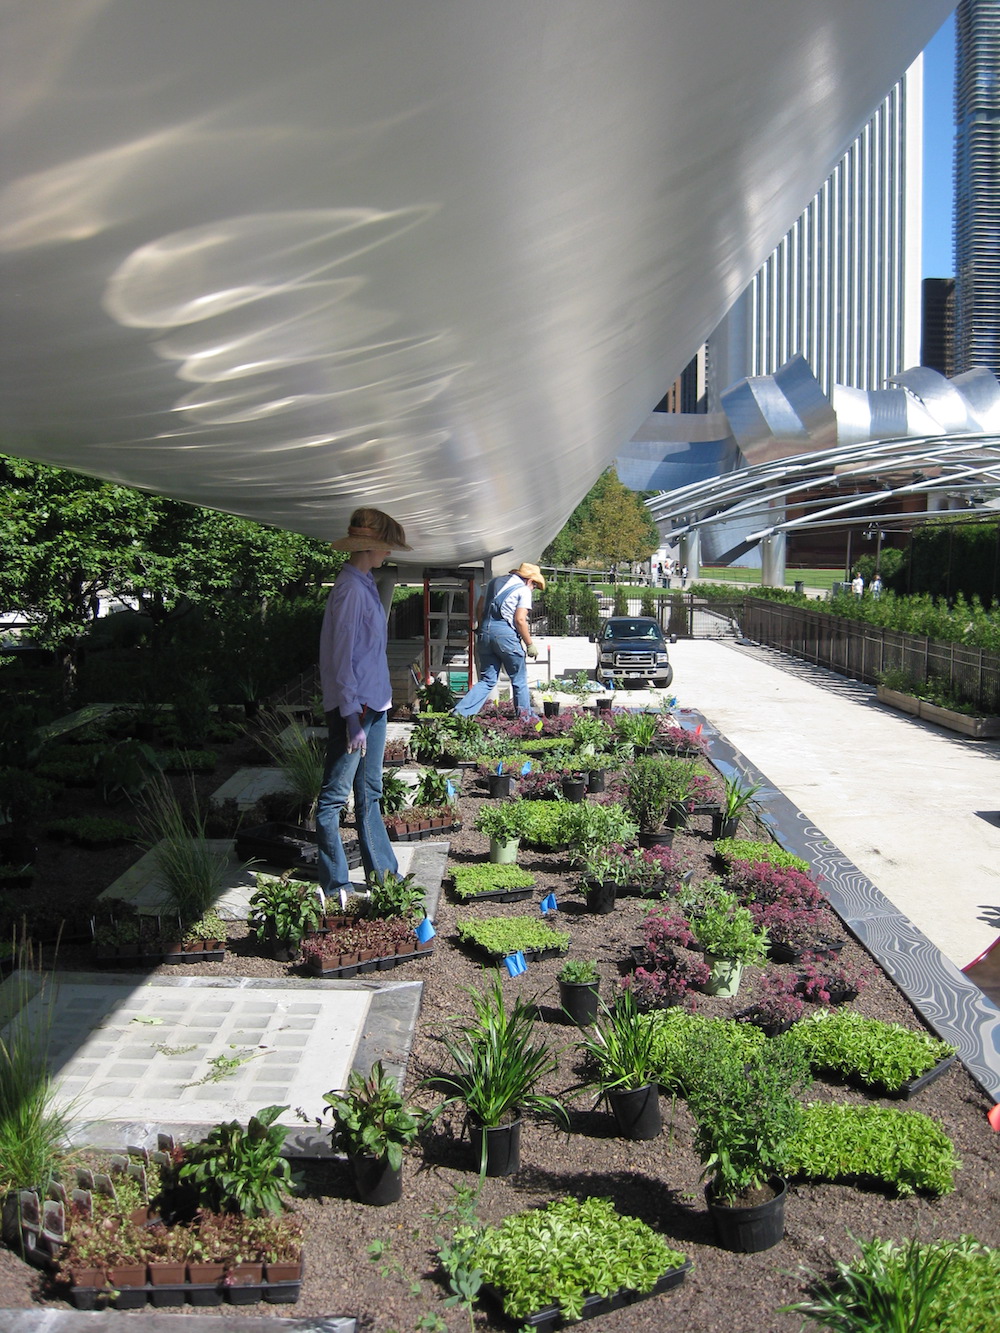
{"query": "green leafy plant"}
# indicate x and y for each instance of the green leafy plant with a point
(737, 797)
(396, 792)
(209, 926)
(675, 1039)
(92, 830)
(725, 929)
(917, 1287)
(902, 1149)
(436, 696)
(34, 1130)
(731, 850)
(125, 769)
(567, 1250)
(502, 820)
(587, 826)
(478, 877)
(579, 972)
(370, 1117)
(652, 785)
(503, 935)
(192, 870)
(883, 1055)
(283, 909)
(392, 895)
(435, 787)
(621, 1049)
(237, 1170)
(300, 756)
(746, 1112)
(496, 1062)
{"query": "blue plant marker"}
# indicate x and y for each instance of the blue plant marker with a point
(548, 903)
(515, 964)
(526, 768)
(499, 768)
(425, 931)
(450, 788)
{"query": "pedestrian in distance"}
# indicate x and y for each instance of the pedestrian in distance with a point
(503, 638)
(357, 696)
(858, 586)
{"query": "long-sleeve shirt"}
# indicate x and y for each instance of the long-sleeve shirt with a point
(353, 668)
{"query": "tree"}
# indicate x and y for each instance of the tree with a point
(610, 524)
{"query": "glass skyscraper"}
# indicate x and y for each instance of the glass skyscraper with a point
(977, 185)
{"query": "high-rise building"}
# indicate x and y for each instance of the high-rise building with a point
(977, 185)
(937, 340)
(843, 287)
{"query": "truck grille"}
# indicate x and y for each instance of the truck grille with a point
(635, 659)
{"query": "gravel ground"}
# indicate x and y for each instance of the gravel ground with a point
(657, 1181)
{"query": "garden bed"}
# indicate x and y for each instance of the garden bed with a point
(657, 1181)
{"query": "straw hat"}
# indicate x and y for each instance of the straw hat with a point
(367, 537)
(532, 572)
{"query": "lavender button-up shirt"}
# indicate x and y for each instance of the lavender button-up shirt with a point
(353, 668)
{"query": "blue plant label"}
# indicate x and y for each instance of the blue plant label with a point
(499, 768)
(425, 931)
(450, 787)
(526, 768)
(549, 904)
(515, 964)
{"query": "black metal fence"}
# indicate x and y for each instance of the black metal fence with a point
(864, 651)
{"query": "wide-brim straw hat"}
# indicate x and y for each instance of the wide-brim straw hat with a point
(367, 539)
(530, 571)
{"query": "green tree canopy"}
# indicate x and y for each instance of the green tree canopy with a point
(610, 524)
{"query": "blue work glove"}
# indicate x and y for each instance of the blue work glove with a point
(356, 738)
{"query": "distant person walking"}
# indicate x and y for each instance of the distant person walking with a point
(875, 587)
(858, 586)
(357, 695)
(503, 638)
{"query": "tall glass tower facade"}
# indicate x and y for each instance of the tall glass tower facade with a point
(843, 286)
(977, 185)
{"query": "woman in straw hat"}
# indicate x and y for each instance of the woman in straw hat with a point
(504, 638)
(357, 695)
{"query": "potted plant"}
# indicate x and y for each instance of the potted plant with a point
(776, 1008)
(239, 1170)
(579, 990)
(496, 1066)
(622, 1053)
(747, 1114)
(735, 799)
(372, 1124)
(653, 786)
(391, 895)
(501, 936)
(673, 981)
(207, 933)
(605, 870)
(504, 824)
(829, 981)
(731, 940)
(282, 910)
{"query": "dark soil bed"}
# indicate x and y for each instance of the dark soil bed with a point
(657, 1181)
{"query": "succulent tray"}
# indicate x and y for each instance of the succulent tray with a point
(185, 1293)
(594, 1306)
(494, 896)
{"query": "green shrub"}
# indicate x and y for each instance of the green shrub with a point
(920, 1287)
(903, 1149)
(676, 1034)
(746, 849)
(92, 831)
(881, 1054)
(188, 761)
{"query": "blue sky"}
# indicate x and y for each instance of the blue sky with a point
(939, 132)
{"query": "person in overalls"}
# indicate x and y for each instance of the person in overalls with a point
(503, 638)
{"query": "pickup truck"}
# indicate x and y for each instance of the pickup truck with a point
(630, 650)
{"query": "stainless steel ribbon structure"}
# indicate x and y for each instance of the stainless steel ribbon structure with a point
(442, 257)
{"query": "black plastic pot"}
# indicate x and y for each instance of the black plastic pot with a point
(580, 1000)
(604, 705)
(501, 784)
(677, 815)
(664, 838)
(503, 1147)
(637, 1111)
(750, 1230)
(724, 826)
(551, 707)
(376, 1181)
(601, 897)
(595, 779)
(574, 787)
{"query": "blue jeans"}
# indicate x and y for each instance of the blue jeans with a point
(499, 645)
(346, 770)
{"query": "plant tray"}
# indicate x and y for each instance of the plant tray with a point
(373, 965)
(495, 896)
(531, 955)
(916, 1085)
(820, 949)
(594, 1306)
(287, 846)
(192, 1293)
(420, 834)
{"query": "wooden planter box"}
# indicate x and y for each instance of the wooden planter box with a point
(966, 724)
